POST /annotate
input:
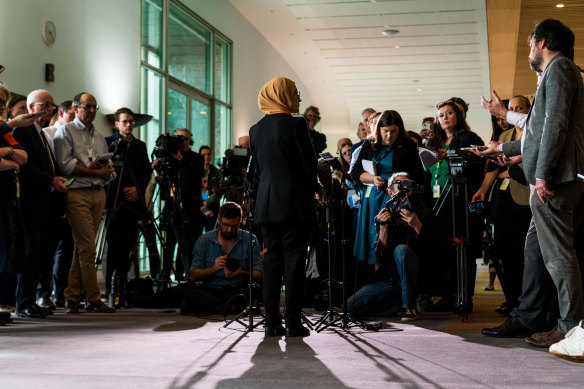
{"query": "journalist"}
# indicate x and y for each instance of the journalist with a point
(180, 187)
(125, 196)
(401, 237)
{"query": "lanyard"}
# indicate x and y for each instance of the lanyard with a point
(206, 180)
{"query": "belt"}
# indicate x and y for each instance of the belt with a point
(92, 187)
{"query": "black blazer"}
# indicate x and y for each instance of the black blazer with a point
(405, 159)
(37, 175)
(286, 165)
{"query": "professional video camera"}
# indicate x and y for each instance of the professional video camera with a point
(408, 196)
(234, 161)
(165, 146)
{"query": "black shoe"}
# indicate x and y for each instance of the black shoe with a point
(512, 328)
(33, 311)
(441, 306)
(297, 330)
(270, 331)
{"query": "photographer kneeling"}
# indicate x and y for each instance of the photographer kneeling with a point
(393, 286)
(220, 264)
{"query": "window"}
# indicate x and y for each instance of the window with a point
(185, 80)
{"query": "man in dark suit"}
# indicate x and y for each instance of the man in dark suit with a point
(42, 204)
(552, 148)
(125, 197)
(284, 208)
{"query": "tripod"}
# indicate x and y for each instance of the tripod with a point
(250, 309)
(460, 240)
(148, 228)
(343, 320)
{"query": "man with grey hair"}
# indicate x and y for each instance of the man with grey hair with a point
(82, 153)
(42, 202)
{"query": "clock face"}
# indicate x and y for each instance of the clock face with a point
(49, 32)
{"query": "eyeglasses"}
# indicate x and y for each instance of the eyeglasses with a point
(132, 122)
(89, 106)
(298, 93)
(231, 226)
(348, 152)
(44, 105)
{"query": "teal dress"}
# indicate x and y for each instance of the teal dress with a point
(371, 204)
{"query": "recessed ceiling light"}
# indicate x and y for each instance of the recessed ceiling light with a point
(396, 46)
(560, 5)
(419, 89)
(389, 32)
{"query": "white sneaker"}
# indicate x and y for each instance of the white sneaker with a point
(572, 346)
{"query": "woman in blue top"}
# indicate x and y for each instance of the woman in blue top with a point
(391, 150)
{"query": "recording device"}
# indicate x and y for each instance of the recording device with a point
(232, 264)
(476, 207)
(38, 114)
(408, 196)
(167, 145)
(474, 147)
(234, 161)
(456, 162)
(581, 176)
(335, 164)
(69, 182)
(103, 158)
(426, 126)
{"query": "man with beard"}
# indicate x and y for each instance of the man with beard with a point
(312, 115)
(220, 265)
(551, 146)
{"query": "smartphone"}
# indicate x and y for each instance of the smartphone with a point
(39, 114)
(69, 182)
(426, 126)
(476, 207)
(481, 148)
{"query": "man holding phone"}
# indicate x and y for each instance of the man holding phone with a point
(78, 148)
(42, 201)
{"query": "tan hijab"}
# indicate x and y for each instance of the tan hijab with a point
(276, 96)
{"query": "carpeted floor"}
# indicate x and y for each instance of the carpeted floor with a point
(139, 348)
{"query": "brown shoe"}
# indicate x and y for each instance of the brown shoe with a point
(99, 307)
(545, 339)
(71, 307)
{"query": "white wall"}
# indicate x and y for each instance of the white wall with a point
(97, 50)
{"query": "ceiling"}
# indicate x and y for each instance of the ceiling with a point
(338, 50)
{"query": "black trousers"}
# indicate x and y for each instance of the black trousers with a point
(286, 244)
(121, 237)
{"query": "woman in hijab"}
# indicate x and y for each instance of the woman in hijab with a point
(286, 166)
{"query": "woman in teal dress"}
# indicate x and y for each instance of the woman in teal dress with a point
(390, 150)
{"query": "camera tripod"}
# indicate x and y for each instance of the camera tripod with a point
(147, 226)
(343, 319)
(250, 309)
(460, 240)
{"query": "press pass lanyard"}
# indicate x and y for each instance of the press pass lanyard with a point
(436, 186)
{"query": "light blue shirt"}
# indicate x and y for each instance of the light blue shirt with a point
(75, 144)
(208, 248)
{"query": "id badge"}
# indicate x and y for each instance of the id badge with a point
(504, 184)
(436, 191)
(368, 192)
(204, 195)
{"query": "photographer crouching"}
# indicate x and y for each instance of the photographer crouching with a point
(219, 268)
(179, 174)
(400, 236)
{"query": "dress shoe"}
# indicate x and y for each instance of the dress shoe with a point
(545, 339)
(71, 307)
(33, 311)
(297, 330)
(45, 302)
(271, 331)
(99, 307)
(512, 328)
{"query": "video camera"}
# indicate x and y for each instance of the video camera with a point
(408, 196)
(234, 161)
(167, 145)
